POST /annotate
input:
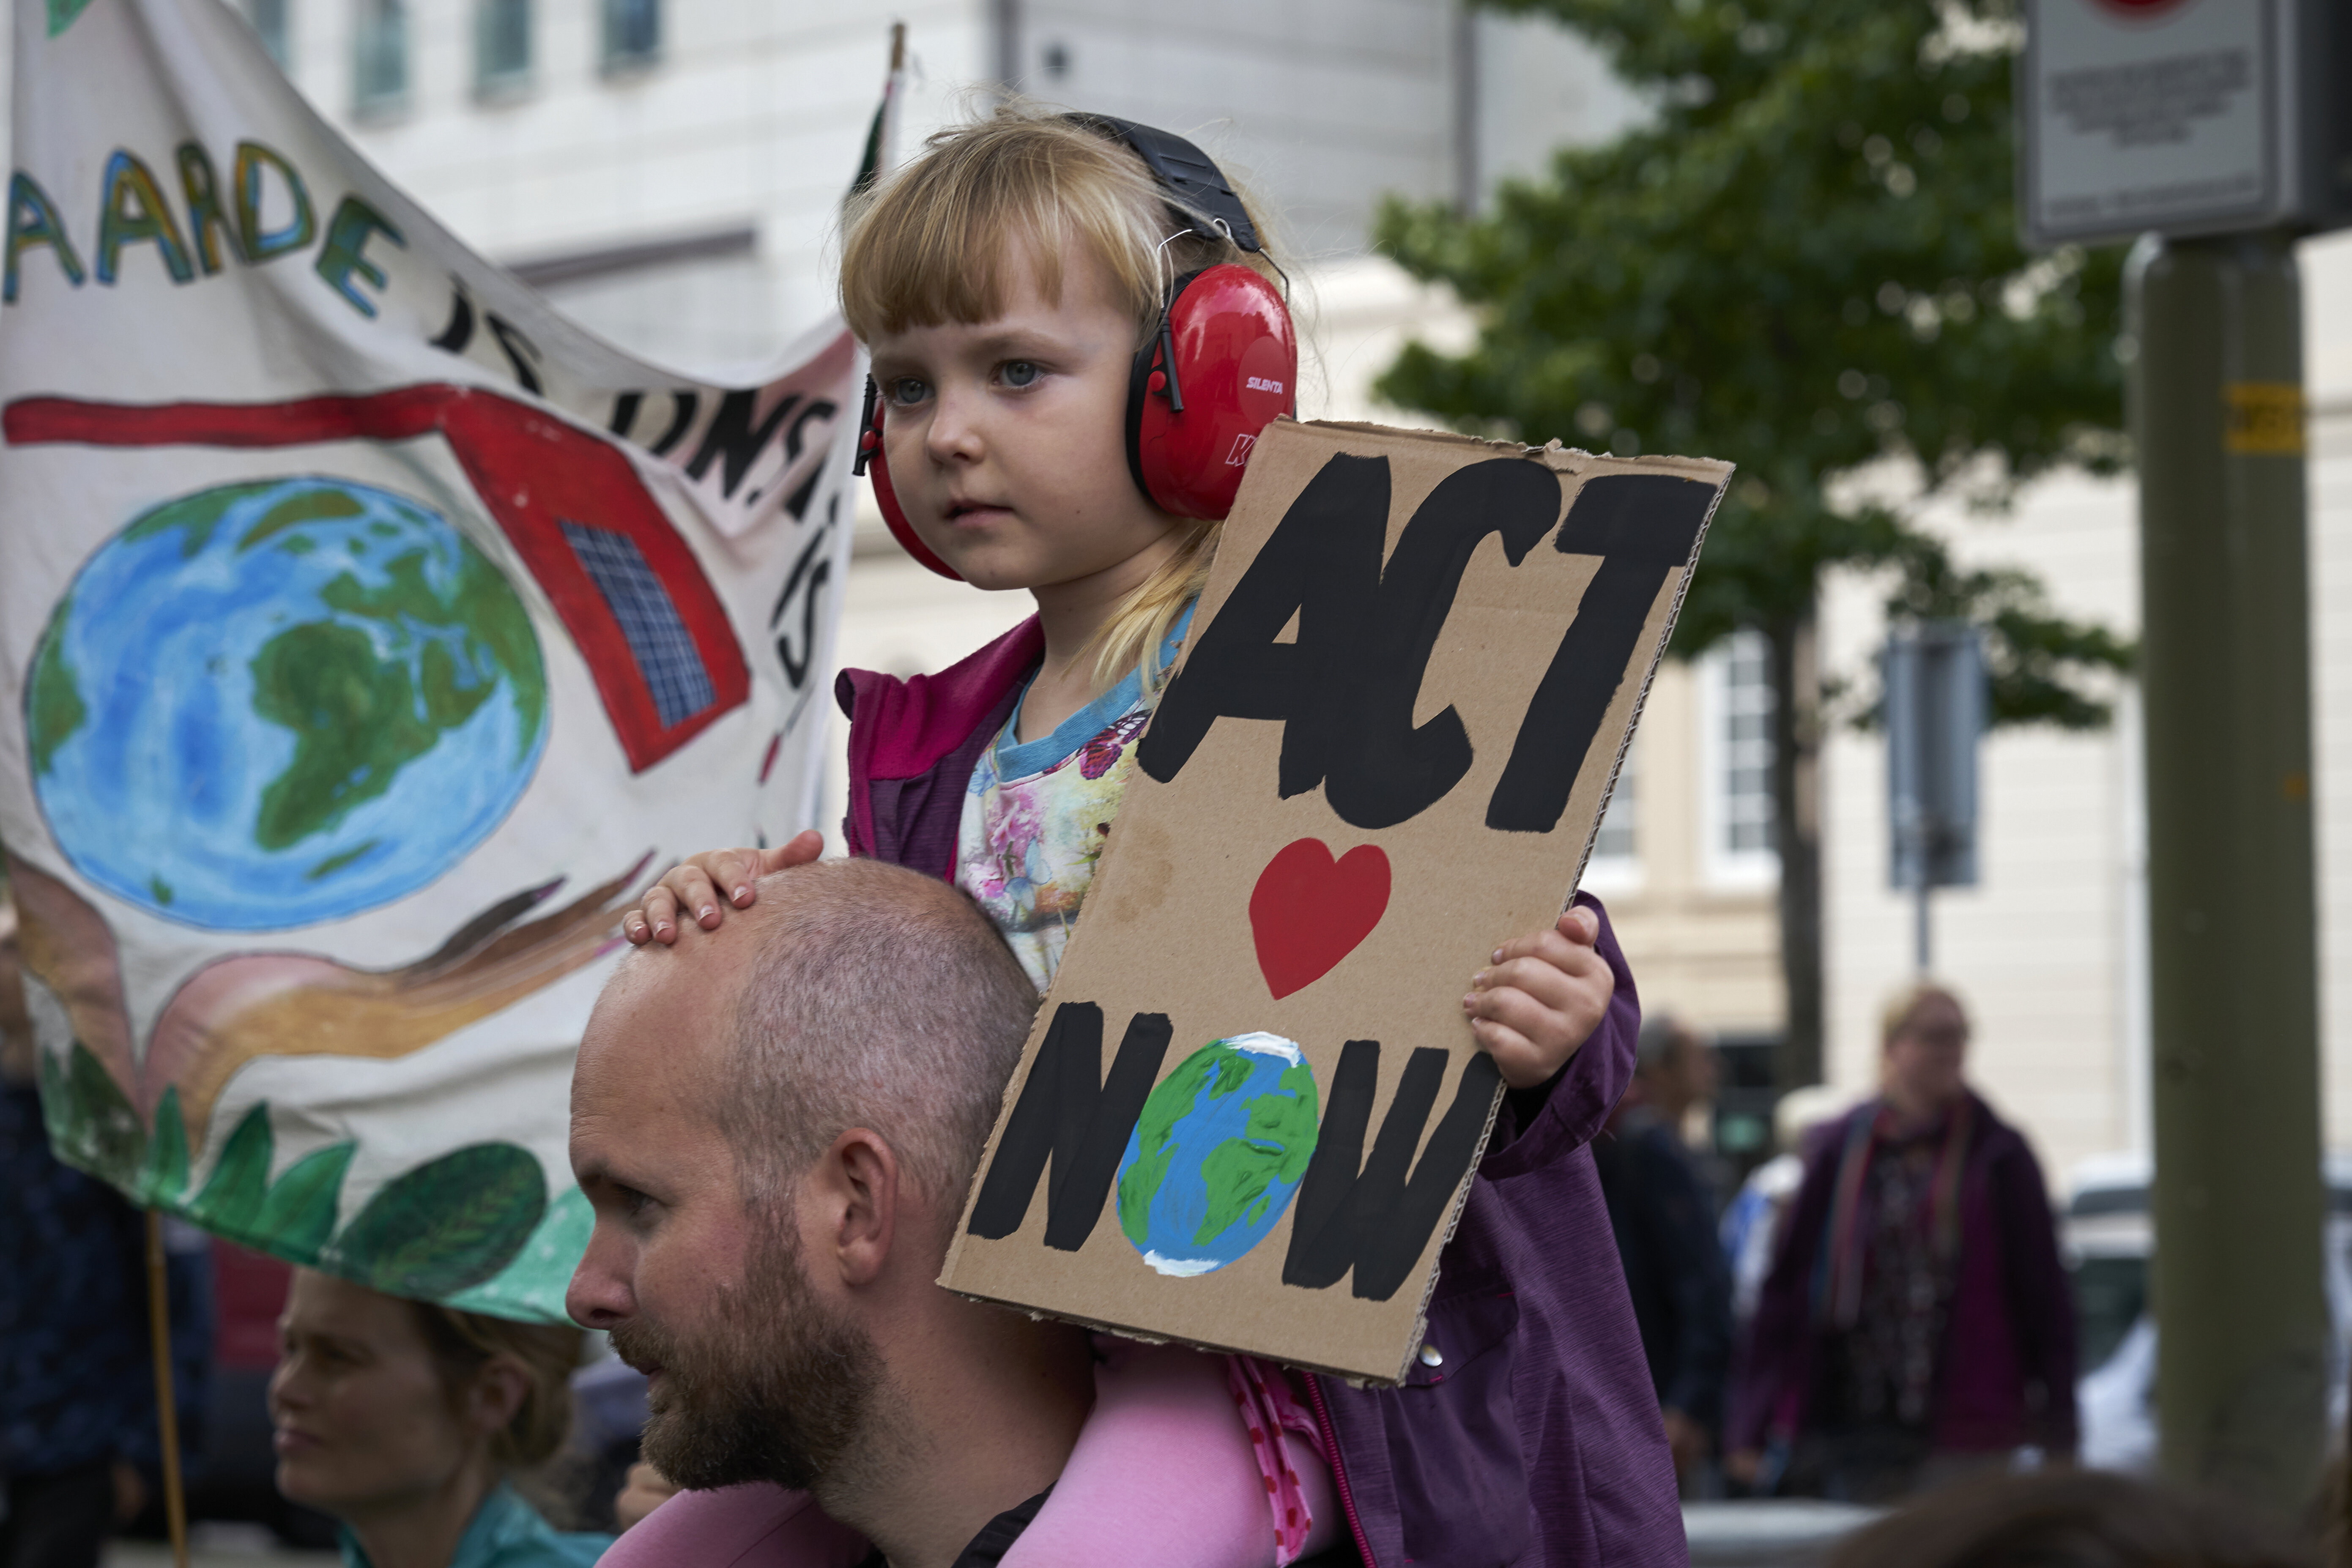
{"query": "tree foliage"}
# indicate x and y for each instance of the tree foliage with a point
(1805, 261)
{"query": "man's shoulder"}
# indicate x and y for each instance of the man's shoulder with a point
(552, 1549)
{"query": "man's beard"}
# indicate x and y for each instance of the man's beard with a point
(778, 1392)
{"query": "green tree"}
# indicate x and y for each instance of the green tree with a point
(1805, 260)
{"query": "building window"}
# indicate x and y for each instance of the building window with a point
(1747, 745)
(268, 20)
(631, 33)
(1615, 864)
(1736, 712)
(380, 61)
(501, 45)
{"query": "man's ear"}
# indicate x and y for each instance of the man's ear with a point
(857, 1182)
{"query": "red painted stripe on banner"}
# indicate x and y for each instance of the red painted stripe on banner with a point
(533, 472)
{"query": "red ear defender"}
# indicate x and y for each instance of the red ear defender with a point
(874, 466)
(1223, 366)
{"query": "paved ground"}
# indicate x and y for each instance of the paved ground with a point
(218, 1546)
(1781, 1533)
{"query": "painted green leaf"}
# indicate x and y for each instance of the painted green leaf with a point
(298, 1214)
(532, 1287)
(449, 1224)
(232, 1199)
(53, 709)
(53, 1096)
(63, 12)
(99, 1124)
(167, 1150)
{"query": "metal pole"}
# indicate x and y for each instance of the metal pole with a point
(1920, 933)
(2215, 393)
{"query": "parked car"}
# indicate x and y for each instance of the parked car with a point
(2108, 1236)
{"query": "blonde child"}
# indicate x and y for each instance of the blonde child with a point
(1004, 281)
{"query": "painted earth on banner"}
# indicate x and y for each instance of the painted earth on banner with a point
(369, 635)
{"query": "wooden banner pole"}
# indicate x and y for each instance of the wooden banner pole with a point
(167, 1414)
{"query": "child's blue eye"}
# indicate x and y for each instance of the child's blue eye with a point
(1021, 373)
(906, 390)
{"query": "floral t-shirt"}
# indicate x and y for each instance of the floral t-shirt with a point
(1036, 813)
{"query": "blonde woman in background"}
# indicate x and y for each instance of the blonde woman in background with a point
(1916, 1326)
(407, 1420)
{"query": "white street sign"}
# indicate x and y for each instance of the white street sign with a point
(2174, 115)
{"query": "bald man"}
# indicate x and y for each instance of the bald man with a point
(777, 1136)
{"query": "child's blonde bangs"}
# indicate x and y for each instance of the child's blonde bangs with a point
(940, 240)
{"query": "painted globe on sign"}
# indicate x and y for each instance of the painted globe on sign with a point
(1218, 1152)
(270, 704)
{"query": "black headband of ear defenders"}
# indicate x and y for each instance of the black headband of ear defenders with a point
(1210, 208)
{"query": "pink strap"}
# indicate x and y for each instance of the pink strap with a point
(1290, 1457)
(738, 1527)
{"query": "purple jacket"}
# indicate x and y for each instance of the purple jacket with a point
(1536, 1440)
(2006, 1376)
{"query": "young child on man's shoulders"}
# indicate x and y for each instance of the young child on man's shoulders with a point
(1005, 281)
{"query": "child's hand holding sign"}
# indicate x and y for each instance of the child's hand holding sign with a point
(1541, 998)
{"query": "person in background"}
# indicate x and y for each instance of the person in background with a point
(1751, 1223)
(1916, 1326)
(79, 1446)
(409, 1422)
(608, 1416)
(2067, 1519)
(1662, 1208)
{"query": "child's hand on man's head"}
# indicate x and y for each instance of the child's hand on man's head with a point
(695, 885)
(1541, 999)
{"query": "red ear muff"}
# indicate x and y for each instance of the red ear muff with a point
(1223, 366)
(872, 463)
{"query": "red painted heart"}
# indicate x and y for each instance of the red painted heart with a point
(1309, 911)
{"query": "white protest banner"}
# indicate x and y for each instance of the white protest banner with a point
(368, 635)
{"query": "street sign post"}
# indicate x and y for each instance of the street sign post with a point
(2219, 128)
(1934, 680)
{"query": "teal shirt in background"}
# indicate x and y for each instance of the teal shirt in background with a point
(506, 1533)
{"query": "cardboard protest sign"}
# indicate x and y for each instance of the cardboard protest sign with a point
(1384, 750)
(369, 634)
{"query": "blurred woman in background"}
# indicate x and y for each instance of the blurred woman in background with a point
(405, 1421)
(1916, 1326)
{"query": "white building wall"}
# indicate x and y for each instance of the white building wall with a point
(754, 114)
(753, 117)
(1321, 104)
(2037, 947)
